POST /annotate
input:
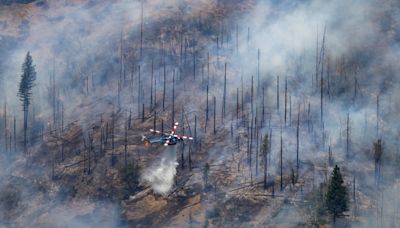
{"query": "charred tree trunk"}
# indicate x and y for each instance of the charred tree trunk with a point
(222, 36)
(90, 153)
(281, 161)
(277, 93)
(113, 160)
(285, 100)
(143, 112)
(265, 157)
(130, 119)
(202, 73)
(377, 116)
(328, 77)
(195, 129)
(190, 158)
(155, 93)
(237, 39)
(322, 58)
(141, 30)
(322, 100)
(208, 69)
(154, 120)
(257, 148)
(237, 104)
(348, 136)
(181, 48)
(224, 96)
(309, 117)
(242, 99)
(378, 151)
(173, 98)
(151, 85)
(126, 148)
(15, 134)
(263, 108)
(62, 132)
(251, 152)
(258, 71)
(183, 146)
(26, 108)
(252, 97)
(101, 137)
(139, 88)
(106, 136)
(194, 65)
(316, 65)
(5, 127)
(163, 101)
(215, 111)
(206, 110)
(297, 142)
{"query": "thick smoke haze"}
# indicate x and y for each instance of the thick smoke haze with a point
(339, 56)
(286, 36)
(74, 41)
(362, 32)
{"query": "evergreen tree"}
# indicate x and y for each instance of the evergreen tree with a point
(336, 197)
(26, 84)
(264, 161)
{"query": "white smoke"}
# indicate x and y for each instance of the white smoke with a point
(160, 175)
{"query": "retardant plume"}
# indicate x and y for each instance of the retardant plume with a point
(161, 174)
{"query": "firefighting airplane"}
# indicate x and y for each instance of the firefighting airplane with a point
(168, 138)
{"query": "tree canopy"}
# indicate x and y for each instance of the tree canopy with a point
(26, 84)
(337, 197)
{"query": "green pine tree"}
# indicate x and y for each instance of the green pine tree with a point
(26, 84)
(336, 197)
(264, 161)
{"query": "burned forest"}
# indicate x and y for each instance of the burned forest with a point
(208, 113)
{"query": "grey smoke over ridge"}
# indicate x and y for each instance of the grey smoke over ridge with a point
(84, 40)
(286, 35)
(362, 47)
(161, 173)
